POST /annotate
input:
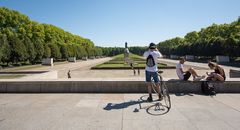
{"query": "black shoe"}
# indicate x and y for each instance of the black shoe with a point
(149, 99)
(160, 97)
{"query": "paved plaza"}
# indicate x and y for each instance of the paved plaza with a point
(117, 112)
(82, 70)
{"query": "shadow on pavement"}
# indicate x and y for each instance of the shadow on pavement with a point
(123, 105)
(184, 94)
(155, 108)
(192, 94)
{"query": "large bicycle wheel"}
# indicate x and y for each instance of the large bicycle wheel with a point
(154, 87)
(166, 95)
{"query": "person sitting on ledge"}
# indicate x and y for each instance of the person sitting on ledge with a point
(218, 74)
(185, 75)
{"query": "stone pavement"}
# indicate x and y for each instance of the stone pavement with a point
(117, 112)
(198, 66)
(81, 70)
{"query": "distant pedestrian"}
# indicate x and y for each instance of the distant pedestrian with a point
(69, 74)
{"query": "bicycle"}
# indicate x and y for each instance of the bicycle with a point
(157, 108)
(164, 90)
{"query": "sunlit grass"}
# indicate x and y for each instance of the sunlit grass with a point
(118, 63)
(12, 76)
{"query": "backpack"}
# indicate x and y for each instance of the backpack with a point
(207, 88)
(150, 61)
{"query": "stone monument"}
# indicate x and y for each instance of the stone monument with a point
(71, 59)
(222, 59)
(47, 61)
(189, 57)
(126, 53)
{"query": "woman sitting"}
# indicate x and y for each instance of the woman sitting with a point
(218, 74)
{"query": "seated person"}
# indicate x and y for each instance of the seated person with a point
(185, 75)
(218, 74)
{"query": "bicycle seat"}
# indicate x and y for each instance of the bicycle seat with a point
(160, 72)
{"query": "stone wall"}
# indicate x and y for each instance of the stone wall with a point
(47, 61)
(222, 59)
(85, 58)
(173, 56)
(61, 86)
(189, 57)
(71, 59)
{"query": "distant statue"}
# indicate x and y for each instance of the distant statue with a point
(126, 53)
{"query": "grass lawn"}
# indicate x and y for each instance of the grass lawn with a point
(12, 76)
(27, 67)
(131, 56)
(127, 66)
(118, 63)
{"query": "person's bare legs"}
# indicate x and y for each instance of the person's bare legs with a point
(193, 72)
(158, 88)
(149, 85)
(217, 77)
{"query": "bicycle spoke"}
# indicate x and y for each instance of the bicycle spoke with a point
(164, 92)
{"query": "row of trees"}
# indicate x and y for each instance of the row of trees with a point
(138, 50)
(223, 39)
(23, 40)
(111, 51)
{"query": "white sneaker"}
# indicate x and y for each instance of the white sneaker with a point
(199, 78)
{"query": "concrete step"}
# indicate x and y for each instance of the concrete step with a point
(109, 86)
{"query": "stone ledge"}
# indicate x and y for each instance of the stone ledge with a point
(70, 86)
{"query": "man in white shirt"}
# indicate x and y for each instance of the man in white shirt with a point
(185, 75)
(152, 69)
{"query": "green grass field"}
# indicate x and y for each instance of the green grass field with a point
(126, 66)
(12, 76)
(118, 63)
(131, 56)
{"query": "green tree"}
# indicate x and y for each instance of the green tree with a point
(64, 51)
(191, 37)
(39, 49)
(18, 50)
(5, 50)
(55, 51)
(30, 50)
(47, 51)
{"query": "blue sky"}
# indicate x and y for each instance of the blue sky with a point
(139, 22)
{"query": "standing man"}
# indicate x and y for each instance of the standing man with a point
(152, 69)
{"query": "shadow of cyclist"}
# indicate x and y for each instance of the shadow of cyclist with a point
(123, 105)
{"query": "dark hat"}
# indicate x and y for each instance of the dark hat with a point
(152, 46)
